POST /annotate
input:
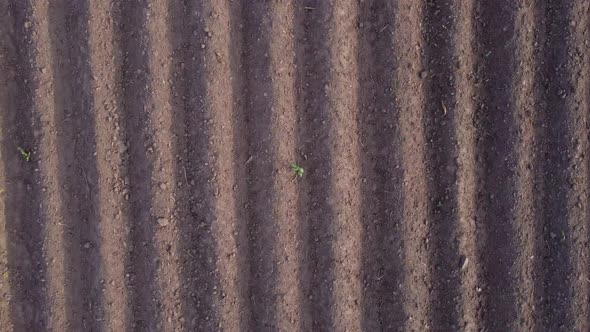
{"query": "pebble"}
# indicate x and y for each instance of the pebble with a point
(464, 263)
(121, 146)
(27, 24)
(87, 245)
(163, 222)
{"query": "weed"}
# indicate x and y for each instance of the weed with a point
(25, 154)
(298, 170)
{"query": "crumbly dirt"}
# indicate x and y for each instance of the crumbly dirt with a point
(445, 146)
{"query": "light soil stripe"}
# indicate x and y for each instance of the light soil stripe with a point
(232, 316)
(466, 178)
(6, 80)
(288, 247)
(164, 182)
(345, 197)
(580, 162)
(4, 280)
(112, 187)
(408, 42)
(524, 96)
(53, 209)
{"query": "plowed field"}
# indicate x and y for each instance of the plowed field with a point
(145, 152)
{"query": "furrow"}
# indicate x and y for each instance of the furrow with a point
(149, 154)
(195, 168)
(24, 228)
(556, 202)
(165, 182)
(409, 45)
(495, 156)
(253, 103)
(227, 228)
(439, 88)
(345, 173)
(381, 187)
(287, 248)
(76, 173)
(525, 92)
(133, 88)
(465, 133)
(112, 186)
(316, 214)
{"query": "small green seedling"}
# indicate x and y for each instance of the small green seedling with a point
(26, 155)
(297, 169)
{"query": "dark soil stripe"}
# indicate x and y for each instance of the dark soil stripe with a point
(253, 88)
(553, 167)
(316, 214)
(382, 254)
(25, 221)
(442, 162)
(195, 167)
(495, 160)
(141, 267)
(77, 164)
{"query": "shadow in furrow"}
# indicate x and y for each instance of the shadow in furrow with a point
(253, 125)
(25, 222)
(313, 58)
(439, 85)
(382, 249)
(496, 161)
(141, 267)
(195, 165)
(77, 164)
(554, 138)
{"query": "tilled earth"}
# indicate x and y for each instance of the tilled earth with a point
(145, 151)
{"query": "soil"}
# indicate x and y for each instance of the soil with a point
(445, 147)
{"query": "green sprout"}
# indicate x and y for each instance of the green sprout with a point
(26, 155)
(297, 169)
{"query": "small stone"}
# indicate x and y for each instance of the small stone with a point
(87, 245)
(163, 222)
(163, 186)
(553, 235)
(465, 262)
(43, 71)
(423, 74)
(121, 147)
(27, 24)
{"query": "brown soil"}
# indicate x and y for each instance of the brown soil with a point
(445, 146)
